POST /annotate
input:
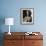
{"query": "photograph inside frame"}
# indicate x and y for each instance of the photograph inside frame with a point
(27, 15)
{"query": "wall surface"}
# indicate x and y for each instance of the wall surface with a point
(11, 8)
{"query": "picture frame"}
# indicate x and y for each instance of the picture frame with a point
(27, 15)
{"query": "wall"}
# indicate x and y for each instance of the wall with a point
(11, 8)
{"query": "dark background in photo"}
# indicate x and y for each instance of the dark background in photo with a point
(27, 13)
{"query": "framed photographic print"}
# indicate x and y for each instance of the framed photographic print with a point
(27, 15)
